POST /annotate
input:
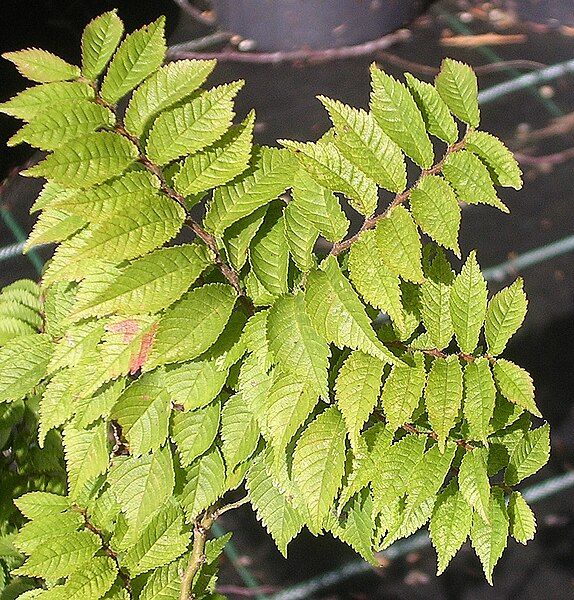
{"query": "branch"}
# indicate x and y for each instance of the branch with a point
(371, 222)
(314, 56)
(433, 435)
(195, 13)
(230, 506)
(197, 558)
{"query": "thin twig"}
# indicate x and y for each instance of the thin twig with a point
(238, 590)
(197, 558)
(230, 506)
(485, 39)
(304, 55)
(207, 41)
(433, 435)
(195, 13)
(546, 161)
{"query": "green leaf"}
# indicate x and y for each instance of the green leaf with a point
(505, 314)
(325, 163)
(141, 485)
(132, 232)
(35, 534)
(164, 583)
(86, 161)
(319, 206)
(205, 484)
(239, 431)
(92, 581)
(515, 384)
(296, 346)
(99, 42)
(61, 557)
(272, 506)
(161, 542)
(194, 431)
(87, 456)
(318, 464)
(357, 391)
(284, 408)
(471, 180)
(338, 315)
(192, 126)
(42, 66)
(142, 411)
(457, 85)
(503, 167)
(194, 384)
(54, 128)
(400, 244)
(402, 391)
(399, 117)
(166, 87)
(53, 225)
(443, 396)
(449, 525)
(39, 505)
(428, 476)
(151, 283)
(238, 237)
(522, 520)
(57, 404)
(436, 115)
(361, 141)
(479, 398)
(269, 255)
(139, 55)
(529, 455)
(209, 307)
(489, 538)
(269, 175)
(473, 481)
(218, 164)
(301, 236)
(372, 278)
(32, 102)
(435, 302)
(23, 364)
(468, 304)
(436, 211)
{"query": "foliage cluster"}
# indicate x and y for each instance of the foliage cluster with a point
(350, 383)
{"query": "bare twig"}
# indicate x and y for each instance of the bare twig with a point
(205, 18)
(197, 558)
(304, 55)
(547, 161)
(485, 39)
(238, 590)
(230, 506)
(433, 435)
(207, 41)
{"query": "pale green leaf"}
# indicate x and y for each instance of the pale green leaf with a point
(449, 525)
(443, 396)
(338, 315)
(479, 398)
(194, 431)
(473, 481)
(38, 505)
(529, 455)
(239, 431)
(489, 538)
(53, 225)
(471, 180)
(88, 160)
(468, 304)
(367, 146)
(357, 391)
(151, 283)
(296, 346)
(209, 308)
(428, 476)
(238, 237)
(499, 160)
(142, 411)
(399, 117)
(41, 65)
(325, 163)
(435, 209)
(218, 164)
(373, 279)
(139, 55)
(192, 126)
(166, 87)
(515, 384)
(402, 391)
(400, 245)
(457, 85)
(522, 520)
(35, 534)
(91, 581)
(505, 314)
(23, 363)
(269, 175)
(437, 118)
(272, 506)
(301, 236)
(99, 42)
(194, 384)
(318, 464)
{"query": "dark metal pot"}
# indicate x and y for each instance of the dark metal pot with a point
(316, 24)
